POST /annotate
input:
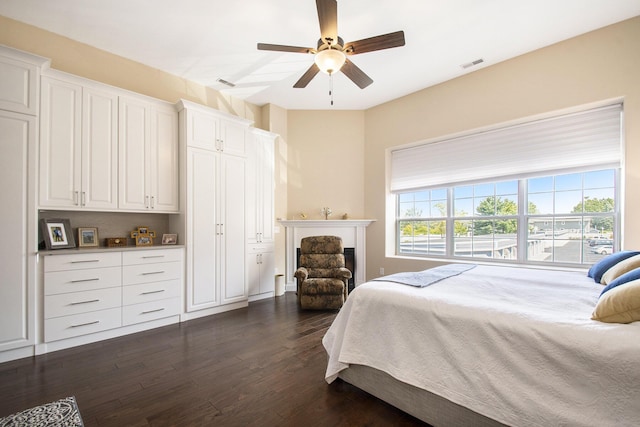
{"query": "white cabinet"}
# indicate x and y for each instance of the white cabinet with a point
(152, 285)
(215, 229)
(260, 186)
(86, 293)
(148, 156)
(215, 131)
(214, 217)
(19, 74)
(17, 213)
(260, 271)
(19, 77)
(82, 294)
(78, 145)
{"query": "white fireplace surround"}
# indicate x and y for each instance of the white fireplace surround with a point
(352, 232)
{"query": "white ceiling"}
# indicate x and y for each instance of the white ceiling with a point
(203, 40)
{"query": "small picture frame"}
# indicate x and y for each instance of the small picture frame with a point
(144, 240)
(169, 239)
(87, 236)
(57, 233)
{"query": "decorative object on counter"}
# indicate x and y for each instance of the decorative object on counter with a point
(169, 239)
(303, 215)
(345, 216)
(57, 233)
(115, 242)
(143, 236)
(87, 236)
(326, 212)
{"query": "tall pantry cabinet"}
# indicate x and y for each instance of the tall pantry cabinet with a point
(19, 89)
(260, 214)
(213, 174)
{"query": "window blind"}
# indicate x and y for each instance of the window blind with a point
(583, 139)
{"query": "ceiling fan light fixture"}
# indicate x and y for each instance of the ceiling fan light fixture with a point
(330, 60)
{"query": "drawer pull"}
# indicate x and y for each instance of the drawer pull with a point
(86, 260)
(153, 311)
(85, 302)
(153, 292)
(153, 256)
(152, 272)
(84, 280)
(85, 324)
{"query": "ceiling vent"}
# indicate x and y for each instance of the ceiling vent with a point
(472, 63)
(224, 82)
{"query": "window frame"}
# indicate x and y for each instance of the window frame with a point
(522, 219)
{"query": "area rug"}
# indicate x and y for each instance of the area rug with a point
(61, 413)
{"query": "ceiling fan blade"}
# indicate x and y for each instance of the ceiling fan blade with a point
(328, 17)
(356, 74)
(284, 48)
(384, 41)
(307, 76)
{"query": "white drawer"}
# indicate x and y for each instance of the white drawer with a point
(81, 261)
(151, 256)
(146, 273)
(82, 324)
(146, 292)
(59, 282)
(147, 311)
(81, 302)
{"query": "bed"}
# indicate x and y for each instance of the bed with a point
(490, 346)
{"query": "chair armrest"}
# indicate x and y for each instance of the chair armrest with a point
(343, 273)
(301, 274)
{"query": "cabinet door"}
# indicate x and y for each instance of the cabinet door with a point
(99, 149)
(252, 193)
(202, 130)
(202, 230)
(232, 207)
(164, 159)
(18, 83)
(267, 272)
(133, 147)
(60, 143)
(17, 213)
(253, 273)
(266, 187)
(232, 138)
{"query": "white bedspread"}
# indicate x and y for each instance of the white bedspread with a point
(514, 344)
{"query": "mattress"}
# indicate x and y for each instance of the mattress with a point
(516, 345)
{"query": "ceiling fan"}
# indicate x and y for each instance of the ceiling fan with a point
(331, 51)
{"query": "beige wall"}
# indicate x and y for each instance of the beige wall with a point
(601, 65)
(83, 60)
(325, 163)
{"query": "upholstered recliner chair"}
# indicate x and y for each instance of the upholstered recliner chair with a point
(322, 279)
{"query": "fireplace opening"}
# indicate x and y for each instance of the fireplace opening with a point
(349, 263)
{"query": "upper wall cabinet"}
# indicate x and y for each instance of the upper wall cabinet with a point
(215, 131)
(19, 73)
(148, 141)
(148, 156)
(78, 145)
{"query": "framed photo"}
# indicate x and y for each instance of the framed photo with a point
(57, 233)
(87, 236)
(144, 240)
(169, 239)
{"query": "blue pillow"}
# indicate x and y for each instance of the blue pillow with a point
(598, 269)
(621, 280)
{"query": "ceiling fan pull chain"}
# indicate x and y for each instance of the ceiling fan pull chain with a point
(331, 87)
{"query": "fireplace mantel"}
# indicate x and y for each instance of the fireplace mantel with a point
(352, 232)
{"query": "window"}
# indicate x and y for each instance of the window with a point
(543, 192)
(568, 219)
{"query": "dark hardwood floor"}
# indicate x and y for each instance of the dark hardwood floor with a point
(259, 366)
